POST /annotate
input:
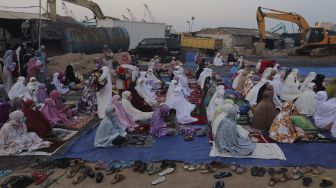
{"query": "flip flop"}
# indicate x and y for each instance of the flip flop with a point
(73, 171)
(271, 172)
(326, 183)
(261, 172)
(185, 165)
(118, 178)
(222, 174)
(193, 168)
(99, 177)
(218, 184)
(155, 170)
(158, 180)
(254, 171)
(273, 181)
(233, 167)
(240, 170)
(79, 178)
(167, 171)
(306, 181)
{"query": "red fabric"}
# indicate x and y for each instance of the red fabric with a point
(35, 122)
(122, 72)
(265, 64)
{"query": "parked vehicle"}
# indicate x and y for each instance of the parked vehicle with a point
(166, 48)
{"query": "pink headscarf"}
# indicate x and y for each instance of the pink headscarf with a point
(125, 118)
(32, 67)
(125, 58)
(56, 96)
(51, 113)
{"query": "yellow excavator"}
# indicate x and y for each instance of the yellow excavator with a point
(94, 7)
(316, 41)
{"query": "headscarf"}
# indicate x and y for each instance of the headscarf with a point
(70, 74)
(56, 96)
(290, 90)
(158, 125)
(218, 60)
(137, 115)
(277, 84)
(248, 85)
(305, 103)
(35, 120)
(32, 67)
(126, 119)
(51, 113)
(319, 79)
(210, 110)
(241, 82)
(4, 112)
(125, 58)
(252, 96)
(41, 93)
(18, 89)
(206, 73)
(141, 91)
(228, 138)
(325, 110)
(109, 129)
(311, 76)
(31, 93)
(170, 92)
(237, 78)
(150, 76)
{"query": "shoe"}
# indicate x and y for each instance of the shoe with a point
(99, 177)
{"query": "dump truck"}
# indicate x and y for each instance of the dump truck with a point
(206, 44)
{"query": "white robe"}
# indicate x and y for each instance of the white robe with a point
(18, 89)
(211, 109)
(137, 115)
(104, 96)
(237, 78)
(31, 94)
(277, 84)
(252, 95)
(305, 103)
(182, 106)
(218, 60)
(325, 113)
(142, 92)
(290, 90)
(206, 73)
(134, 71)
(311, 76)
(170, 93)
(58, 85)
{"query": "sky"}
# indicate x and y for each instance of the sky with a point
(207, 13)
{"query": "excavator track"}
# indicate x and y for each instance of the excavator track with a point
(323, 51)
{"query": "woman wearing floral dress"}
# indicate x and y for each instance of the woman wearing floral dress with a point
(158, 125)
(282, 129)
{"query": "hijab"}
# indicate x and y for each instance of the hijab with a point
(319, 79)
(129, 108)
(125, 58)
(158, 125)
(305, 103)
(51, 113)
(210, 110)
(70, 74)
(206, 73)
(18, 89)
(137, 101)
(56, 96)
(237, 78)
(126, 119)
(41, 93)
(311, 76)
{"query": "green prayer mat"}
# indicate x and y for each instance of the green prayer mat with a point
(304, 123)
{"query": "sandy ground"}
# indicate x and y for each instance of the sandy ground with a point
(179, 179)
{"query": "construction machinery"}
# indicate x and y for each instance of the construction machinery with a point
(316, 41)
(281, 26)
(94, 7)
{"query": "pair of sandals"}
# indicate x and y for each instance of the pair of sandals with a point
(190, 167)
(258, 171)
(83, 174)
(284, 177)
(219, 184)
(139, 167)
(16, 181)
(206, 168)
(316, 170)
(237, 169)
(118, 178)
(40, 177)
(222, 174)
(152, 169)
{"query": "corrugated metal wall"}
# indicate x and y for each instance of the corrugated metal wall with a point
(137, 30)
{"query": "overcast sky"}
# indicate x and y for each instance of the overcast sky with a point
(207, 13)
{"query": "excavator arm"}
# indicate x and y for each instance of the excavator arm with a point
(94, 7)
(280, 15)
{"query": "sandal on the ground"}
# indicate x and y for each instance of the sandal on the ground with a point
(306, 181)
(99, 177)
(7, 180)
(39, 177)
(136, 166)
(208, 170)
(188, 138)
(193, 168)
(79, 178)
(233, 167)
(142, 168)
(273, 181)
(73, 171)
(167, 171)
(254, 171)
(89, 172)
(222, 174)
(118, 178)
(326, 183)
(185, 165)
(261, 172)
(218, 184)
(297, 176)
(158, 180)
(154, 170)
(271, 172)
(112, 171)
(204, 166)
(240, 170)
(164, 164)
(285, 177)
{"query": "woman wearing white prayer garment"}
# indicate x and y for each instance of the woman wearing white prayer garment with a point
(206, 73)
(110, 131)
(33, 83)
(254, 94)
(237, 78)
(58, 85)
(8, 67)
(172, 86)
(258, 65)
(305, 103)
(151, 77)
(181, 105)
(266, 74)
(311, 76)
(218, 60)
(15, 138)
(277, 84)
(291, 90)
(134, 71)
(129, 108)
(104, 95)
(18, 89)
(147, 86)
(210, 110)
(183, 80)
(142, 92)
(229, 137)
(31, 94)
(325, 112)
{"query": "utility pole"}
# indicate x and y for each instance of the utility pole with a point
(40, 24)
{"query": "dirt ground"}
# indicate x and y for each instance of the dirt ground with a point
(179, 179)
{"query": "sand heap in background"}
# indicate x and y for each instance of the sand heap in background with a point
(83, 62)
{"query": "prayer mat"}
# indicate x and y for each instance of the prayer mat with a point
(202, 120)
(80, 122)
(62, 134)
(260, 138)
(304, 123)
